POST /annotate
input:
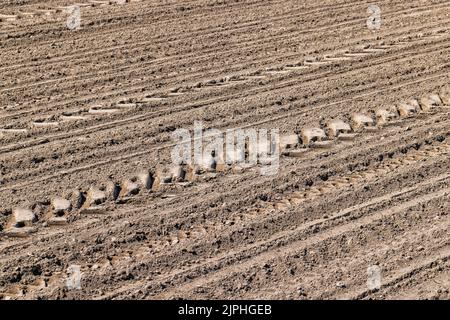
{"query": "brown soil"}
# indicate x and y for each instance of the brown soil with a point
(309, 232)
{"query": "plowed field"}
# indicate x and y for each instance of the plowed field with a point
(86, 123)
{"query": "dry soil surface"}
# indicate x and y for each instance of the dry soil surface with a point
(86, 179)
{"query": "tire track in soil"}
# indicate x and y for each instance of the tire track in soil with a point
(316, 154)
(200, 104)
(370, 190)
(165, 59)
(288, 249)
